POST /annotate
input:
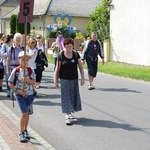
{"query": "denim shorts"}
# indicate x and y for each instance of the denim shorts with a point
(25, 104)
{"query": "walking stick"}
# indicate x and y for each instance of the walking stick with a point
(24, 69)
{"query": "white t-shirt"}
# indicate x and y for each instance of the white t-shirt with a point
(43, 47)
(31, 62)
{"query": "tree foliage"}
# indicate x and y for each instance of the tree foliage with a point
(18, 27)
(100, 21)
(63, 29)
(13, 24)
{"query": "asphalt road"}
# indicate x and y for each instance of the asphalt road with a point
(115, 116)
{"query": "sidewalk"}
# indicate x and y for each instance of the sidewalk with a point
(9, 130)
(9, 136)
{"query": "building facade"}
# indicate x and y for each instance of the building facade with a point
(45, 11)
(130, 31)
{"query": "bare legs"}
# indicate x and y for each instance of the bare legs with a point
(90, 80)
(24, 120)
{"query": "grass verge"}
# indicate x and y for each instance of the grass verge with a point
(121, 69)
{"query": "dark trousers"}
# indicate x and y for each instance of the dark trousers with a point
(92, 66)
(39, 72)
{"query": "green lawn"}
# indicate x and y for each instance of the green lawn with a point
(122, 69)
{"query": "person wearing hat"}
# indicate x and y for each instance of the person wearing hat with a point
(24, 96)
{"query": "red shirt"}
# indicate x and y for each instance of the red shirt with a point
(94, 47)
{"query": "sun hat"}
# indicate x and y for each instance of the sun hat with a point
(21, 54)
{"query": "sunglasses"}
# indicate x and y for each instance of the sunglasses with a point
(38, 38)
(32, 42)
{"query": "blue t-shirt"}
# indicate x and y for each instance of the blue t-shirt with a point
(13, 54)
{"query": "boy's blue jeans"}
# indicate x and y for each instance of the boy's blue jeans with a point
(25, 104)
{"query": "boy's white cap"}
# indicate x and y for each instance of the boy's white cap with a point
(21, 54)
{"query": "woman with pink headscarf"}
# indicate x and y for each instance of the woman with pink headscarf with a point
(60, 41)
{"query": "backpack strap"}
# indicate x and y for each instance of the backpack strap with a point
(13, 51)
(17, 70)
(29, 71)
(76, 54)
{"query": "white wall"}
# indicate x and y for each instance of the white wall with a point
(130, 31)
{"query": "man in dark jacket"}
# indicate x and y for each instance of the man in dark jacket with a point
(90, 53)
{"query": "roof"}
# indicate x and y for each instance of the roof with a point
(1, 2)
(12, 3)
(40, 8)
(78, 8)
(54, 7)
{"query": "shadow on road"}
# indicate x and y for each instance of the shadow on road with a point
(46, 103)
(117, 90)
(104, 123)
(45, 96)
(5, 98)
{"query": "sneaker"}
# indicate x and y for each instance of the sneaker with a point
(8, 94)
(91, 87)
(68, 120)
(71, 116)
(26, 134)
(22, 137)
(37, 87)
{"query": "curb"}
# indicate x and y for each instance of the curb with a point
(37, 141)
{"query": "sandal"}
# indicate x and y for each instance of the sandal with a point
(90, 87)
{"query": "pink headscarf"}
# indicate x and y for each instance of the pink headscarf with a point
(60, 41)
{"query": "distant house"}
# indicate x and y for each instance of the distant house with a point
(130, 31)
(46, 10)
(6, 6)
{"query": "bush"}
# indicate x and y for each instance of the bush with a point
(13, 21)
(20, 26)
(51, 34)
(63, 29)
(100, 21)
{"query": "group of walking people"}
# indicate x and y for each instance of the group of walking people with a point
(11, 46)
(21, 80)
(67, 62)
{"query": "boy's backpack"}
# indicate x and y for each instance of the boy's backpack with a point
(17, 70)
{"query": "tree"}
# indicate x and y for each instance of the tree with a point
(20, 26)
(100, 21)
(13, 24)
